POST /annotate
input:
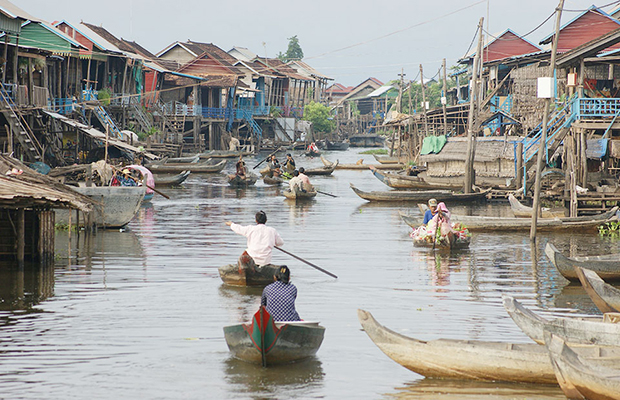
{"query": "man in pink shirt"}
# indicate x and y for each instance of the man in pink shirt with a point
(261, 240)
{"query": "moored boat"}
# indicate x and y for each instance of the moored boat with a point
(336, 146)
(593, 378)
(326, 170)
(386, 159)
(361, 166)
(603, 295)
(224, 154)
(266, 342)
(462, 359)
(418, 195)
(262, 275)
(402, 181)
(521, 211)
(199, 167)
(501, 224)
(116, 205)
(178, 160)
(298, 194)
(171, 180)
(606, 266)
(237, 181)
(576, 330)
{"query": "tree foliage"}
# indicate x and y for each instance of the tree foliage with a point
(319, 115)
(293, 52)
(432, 90)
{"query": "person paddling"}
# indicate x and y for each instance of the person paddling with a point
(260, 241)
(430, 213)
(279, 297)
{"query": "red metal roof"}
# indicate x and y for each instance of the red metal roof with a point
(507, 45)
(588, 26)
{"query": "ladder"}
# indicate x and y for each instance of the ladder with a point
(106, 121)
(139, 115)
(20, 128)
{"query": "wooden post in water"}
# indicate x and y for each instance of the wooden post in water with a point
(519, 171)
(21, 236)
(471, 137)
(444, 99)
(543, 137)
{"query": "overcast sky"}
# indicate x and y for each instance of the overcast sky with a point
(347, 40)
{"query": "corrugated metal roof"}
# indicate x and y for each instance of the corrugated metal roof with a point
(380, 91)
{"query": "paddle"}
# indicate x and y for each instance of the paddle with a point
(157, 191)
(307, 262)
(327, 194)
(267, 158)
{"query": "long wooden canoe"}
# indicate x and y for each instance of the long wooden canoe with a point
(269, 180)
(262, 275)
(575, 330)
(237, 181)
(522, 211)
(606, 266)
(266, 342)
(326, 170)
(298, 194)
(201, 167)
(503, 224)
(401, 181)
(386, 159)
(462, 359)
(418, 195)
(224, 154)
(171, 180)
(604, 296)
(592, 378)
(361, 166)
(339, 146)
(177, 160)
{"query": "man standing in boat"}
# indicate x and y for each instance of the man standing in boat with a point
(261, 240)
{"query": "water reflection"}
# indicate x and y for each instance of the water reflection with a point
(462, 390)
(240, 302)
(24, 287)
(298, 380)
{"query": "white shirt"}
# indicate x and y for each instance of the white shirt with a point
(295, 181)
(261, 239)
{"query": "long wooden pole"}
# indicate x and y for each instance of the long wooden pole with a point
(307, 262)
(423, 101)
(543, 137)
(471, 138)
(444, 99)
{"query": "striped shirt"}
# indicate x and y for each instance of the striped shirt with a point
(279, 299)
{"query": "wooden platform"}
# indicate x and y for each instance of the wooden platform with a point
(595, 202)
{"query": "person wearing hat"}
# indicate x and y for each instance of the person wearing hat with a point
(279, 297)
(261, 240)
(430, 213)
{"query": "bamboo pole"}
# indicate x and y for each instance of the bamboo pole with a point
(543, 136)
(471, 138)
(444, 99)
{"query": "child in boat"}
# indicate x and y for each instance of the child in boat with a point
(279, 297)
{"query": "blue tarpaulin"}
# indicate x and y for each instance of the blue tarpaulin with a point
(596, 148)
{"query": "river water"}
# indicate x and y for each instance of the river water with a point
(138, 313)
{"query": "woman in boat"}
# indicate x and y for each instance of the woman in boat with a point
(261, 241)
(441, 223)
(241, 169)
(289, 164)
(279, 297)
(430, 213)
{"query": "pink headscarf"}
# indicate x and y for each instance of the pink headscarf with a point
(442, 207)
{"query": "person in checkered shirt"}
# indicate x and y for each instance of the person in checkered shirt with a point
(279, 297)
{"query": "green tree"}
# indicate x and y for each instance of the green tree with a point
(319, 115)
(293, 52)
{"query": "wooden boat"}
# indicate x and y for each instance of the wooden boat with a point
(224, 154)
(606, 266)
(178, 160)
(604, 296)
(402, 181)
(336, 146)
(366, 140)
(386, 159)
(502, 224)
(521, 211)
(461, 243)
(268, 180)
(266, 342)
(593, 378)
(361, 166)
(298, 194)
(419, 195)
(232, 275)
(575, 330)
(462, 359)
(326, 170)
(237, 181)
(312, 153)
(116, 205)
(171, 180)
(198, 168)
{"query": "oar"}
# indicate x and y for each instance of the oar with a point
(327, 194)
(266, 158)
(157, 191)
(307, 262)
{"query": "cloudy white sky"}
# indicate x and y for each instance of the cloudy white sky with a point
(347, 40)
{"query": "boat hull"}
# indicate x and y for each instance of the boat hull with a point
(607, 266)
(418, 195)
(117, 205)
(299, 195)
(262, 275)
(398, 181)
(201, 168)
(604, 296)
(237, 181)
(171, 180)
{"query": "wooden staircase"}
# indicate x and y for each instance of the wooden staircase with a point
(20, 128)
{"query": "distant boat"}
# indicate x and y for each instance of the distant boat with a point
(419, 195)
(361, 166)
(298, 194)
(237, 181)
(199, 167)
(262, 275)
(402, 181)
(266, 342)
(224, 154)
(336, 146)
(117, 205)
(325, 170)
(522, 211)
(171, 180)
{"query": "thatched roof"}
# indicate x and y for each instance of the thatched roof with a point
(32, 189)
(487, 150)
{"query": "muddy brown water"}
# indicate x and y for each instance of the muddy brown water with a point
(138, 313)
